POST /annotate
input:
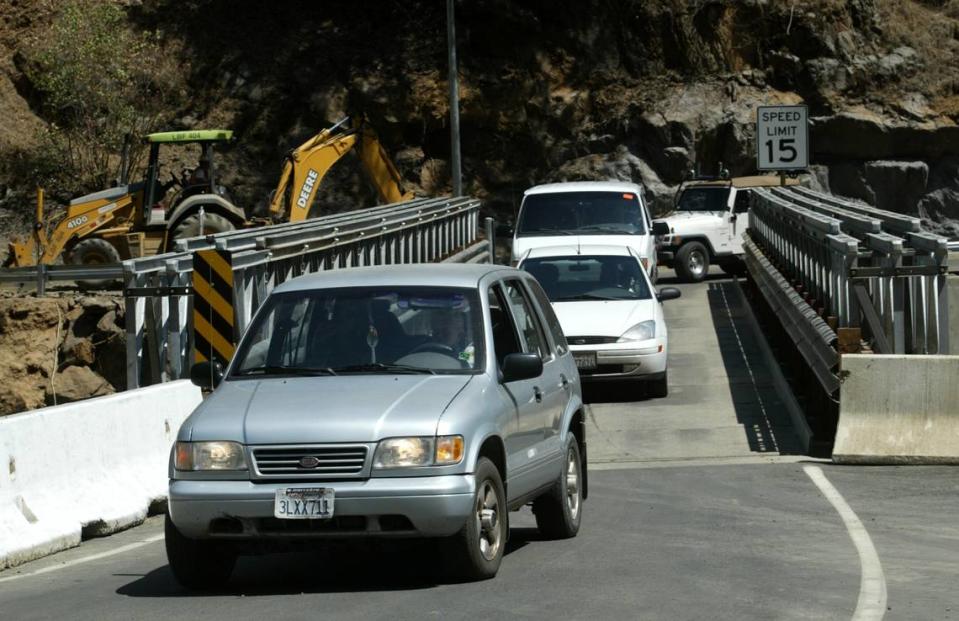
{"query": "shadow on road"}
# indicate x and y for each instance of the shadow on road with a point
(402, 565)
(758, 407)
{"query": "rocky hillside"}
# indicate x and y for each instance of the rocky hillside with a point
(627, 89)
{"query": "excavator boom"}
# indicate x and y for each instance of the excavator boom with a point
(307, 165)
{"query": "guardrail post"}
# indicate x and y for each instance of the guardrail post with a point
(491, 239)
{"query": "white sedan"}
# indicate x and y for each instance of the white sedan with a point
(608, 309)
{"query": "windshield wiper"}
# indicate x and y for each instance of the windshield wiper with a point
(273, 369)
(381, 367)
(589, 296)
(608, 229)
(547, 232)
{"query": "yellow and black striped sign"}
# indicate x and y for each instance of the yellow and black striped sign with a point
(213, 317)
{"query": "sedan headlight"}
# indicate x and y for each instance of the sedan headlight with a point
(418, 451)
(642, 331)
(209, 456)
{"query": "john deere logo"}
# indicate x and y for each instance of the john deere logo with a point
(309, 462)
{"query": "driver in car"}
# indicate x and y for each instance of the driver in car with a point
(449, 330)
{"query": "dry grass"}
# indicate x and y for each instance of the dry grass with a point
(932, 29)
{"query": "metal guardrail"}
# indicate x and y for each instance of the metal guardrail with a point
(854, 272)
(158, 289)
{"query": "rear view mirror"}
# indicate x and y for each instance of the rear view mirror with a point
(521, 366)
(207, 375)
(660, 229)
(668, 293)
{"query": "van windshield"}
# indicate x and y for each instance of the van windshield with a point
(582, 213)
(703, 199)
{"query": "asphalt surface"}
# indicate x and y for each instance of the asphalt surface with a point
(700, 508)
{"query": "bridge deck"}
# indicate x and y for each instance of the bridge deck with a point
(722, 402)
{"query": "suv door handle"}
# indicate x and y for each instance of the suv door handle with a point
(538, 394)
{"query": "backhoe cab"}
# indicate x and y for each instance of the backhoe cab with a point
(138, 219)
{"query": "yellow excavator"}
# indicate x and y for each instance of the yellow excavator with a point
(143, 219)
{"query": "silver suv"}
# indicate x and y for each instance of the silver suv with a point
(416, 401)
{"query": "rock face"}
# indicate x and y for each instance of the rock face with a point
(57, 350)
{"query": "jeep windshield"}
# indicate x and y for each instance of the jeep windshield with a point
(383, 330)
(589, 278)
(704, 198)
(581, 213)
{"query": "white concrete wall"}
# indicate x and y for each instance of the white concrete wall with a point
(96, 464)
(898, 409)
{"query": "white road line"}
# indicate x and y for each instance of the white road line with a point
(871, 605)
(86, 559)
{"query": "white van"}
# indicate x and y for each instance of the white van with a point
(609, 213)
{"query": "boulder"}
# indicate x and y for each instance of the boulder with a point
(897, 186)
(75, 383)
(847, 179)
(108, 324)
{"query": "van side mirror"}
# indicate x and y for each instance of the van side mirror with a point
(660, 229)
(521, 366)
(207, 375)
(668, 293)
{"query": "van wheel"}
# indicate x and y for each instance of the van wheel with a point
(475, 553)
(692, 262)
(560, 511)
(93, 252)
(196, 563)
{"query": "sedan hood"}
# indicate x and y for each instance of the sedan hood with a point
(599, 318)
(351, 408)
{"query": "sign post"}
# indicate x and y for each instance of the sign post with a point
(782, 138)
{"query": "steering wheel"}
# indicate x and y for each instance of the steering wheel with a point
(437, 348)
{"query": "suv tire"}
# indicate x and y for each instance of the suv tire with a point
(692, 262)
(475, 553)
(196, 563)
(559, 512)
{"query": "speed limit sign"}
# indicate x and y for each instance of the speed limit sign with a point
(782, 137)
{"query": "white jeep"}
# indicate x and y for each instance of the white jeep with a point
(706, 225)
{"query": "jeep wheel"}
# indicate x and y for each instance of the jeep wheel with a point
(197, 564)
(560, 511)
(692, 262)
(476, 552)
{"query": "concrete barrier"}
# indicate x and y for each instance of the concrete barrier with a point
(898, 409)
(86, 468)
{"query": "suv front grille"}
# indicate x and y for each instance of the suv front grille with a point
(330, 461)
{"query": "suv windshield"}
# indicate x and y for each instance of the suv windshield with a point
(567, 279)
(582, 213)
(365, 330)
(703, 199)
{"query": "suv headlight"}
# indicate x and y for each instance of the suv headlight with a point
(209, 456)
(418, 451)
(642, 331)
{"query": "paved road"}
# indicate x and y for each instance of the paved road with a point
(699, 509)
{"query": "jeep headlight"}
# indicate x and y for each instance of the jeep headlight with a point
(209, 456)
(642, 331)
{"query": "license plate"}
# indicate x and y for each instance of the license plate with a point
(586, 360)
(303, 503)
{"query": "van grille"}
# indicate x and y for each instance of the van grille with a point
(330, 461)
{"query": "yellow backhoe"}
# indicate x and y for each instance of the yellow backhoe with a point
(143, 219)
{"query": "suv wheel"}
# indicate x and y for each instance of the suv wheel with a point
(476, 552)
(196, 563)
(560, 511)
(692, 262)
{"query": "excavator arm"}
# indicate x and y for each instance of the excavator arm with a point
(307, 165)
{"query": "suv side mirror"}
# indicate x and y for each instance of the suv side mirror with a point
(206, 375)
(668, 293)
(660, 229)
(521, 366)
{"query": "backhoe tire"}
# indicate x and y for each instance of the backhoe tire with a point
(212, 223)
(692, 262)
(91, 252)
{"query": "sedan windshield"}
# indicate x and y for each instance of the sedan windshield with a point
(582, 213)
(703, 199)
(578, 278)
(363, 331)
